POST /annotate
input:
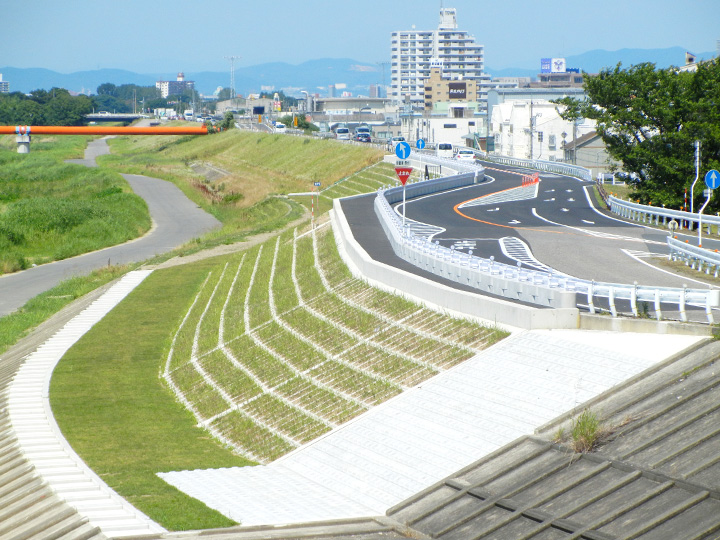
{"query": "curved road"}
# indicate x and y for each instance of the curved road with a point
(176, 220)
(551, 225)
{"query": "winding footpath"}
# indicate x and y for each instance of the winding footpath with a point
(176, 220)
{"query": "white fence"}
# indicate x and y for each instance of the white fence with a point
(653, 215)
(518, 283)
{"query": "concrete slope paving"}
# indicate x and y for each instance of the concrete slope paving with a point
(176, 220)
(416, 439)
(657, 476)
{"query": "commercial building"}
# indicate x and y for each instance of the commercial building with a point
(4, 86)
(171, 88)
(414, 53)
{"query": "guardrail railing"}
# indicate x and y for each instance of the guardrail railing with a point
(533, 286)
(644, 213)
(696, 257)
(540, 165)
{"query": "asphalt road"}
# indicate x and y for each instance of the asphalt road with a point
(549, 225)
(176, 220)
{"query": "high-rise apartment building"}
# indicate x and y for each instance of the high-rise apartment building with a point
(4, 86)
(415, 52)
(170, 88)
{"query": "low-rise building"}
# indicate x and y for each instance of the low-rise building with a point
(4, 86)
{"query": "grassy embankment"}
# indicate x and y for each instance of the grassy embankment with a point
(51, 210)
(263, 169)
(303, 347)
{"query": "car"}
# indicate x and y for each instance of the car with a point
(280, 127)
(465, 154)
(444, 150)
(393, 142)
(342, 133)
(363, 137)
(362, 129)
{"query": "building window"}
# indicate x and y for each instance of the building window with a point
(449, 126)
(551, 142)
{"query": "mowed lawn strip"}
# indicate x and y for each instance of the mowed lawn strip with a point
(119, 415)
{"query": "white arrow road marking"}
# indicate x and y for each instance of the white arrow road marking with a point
(549, 191)
(571, 199)
(493, 210)
(550, 200)
(514, 222)
(564, 210)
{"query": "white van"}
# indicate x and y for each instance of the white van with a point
(444, 149)
(280, 127)
(342, 133)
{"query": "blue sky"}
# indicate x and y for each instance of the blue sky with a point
(157, 36)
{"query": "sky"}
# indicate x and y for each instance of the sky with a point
(166, 36)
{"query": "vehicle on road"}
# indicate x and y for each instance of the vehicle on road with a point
(363, 137)
(465, 154)
(444, 150)
(362, 129)
(342, 133)
(393, 142)
(280, 127)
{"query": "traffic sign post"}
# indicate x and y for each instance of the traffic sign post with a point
(420, 144)
(403, 173)
(402, 150)
(712, 181)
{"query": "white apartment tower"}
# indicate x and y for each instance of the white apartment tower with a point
(415, 52)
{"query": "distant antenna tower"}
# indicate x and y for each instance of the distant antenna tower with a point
(232, 74)
(382, 65)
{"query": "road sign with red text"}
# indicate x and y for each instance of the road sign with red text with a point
(403, 173)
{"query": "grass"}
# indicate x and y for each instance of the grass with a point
(276, 384)
(263, 169)
(51, 210)
(119, 415)
(18, 324)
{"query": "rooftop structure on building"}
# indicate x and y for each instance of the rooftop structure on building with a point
(415, 52)
(4, 86)
(171, 88)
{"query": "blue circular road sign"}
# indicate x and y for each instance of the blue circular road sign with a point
(712, 179)
(402, 150)
(420, 144)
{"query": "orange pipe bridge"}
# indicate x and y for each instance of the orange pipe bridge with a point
(102, 130)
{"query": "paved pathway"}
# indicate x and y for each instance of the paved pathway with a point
(425, 434)
(176, 220)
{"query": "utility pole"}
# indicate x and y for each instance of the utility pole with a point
(532, 121)
(232, 76)
(697, 175)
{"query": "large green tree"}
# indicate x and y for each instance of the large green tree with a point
(649, 120)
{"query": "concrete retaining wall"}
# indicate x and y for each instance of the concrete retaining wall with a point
(476, 306)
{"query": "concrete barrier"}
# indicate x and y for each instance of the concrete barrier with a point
(438, 296)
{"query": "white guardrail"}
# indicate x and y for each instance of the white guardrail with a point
(652, 214)
(518, 283)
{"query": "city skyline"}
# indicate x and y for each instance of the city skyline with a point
(162, 36)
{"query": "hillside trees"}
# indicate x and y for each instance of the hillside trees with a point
(649, 120)
(55, 107)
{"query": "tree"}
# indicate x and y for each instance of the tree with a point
(302, 122)
(228, 121)
(224, 94)
(649, 119)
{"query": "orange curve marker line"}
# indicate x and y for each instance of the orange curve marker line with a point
(498, 224)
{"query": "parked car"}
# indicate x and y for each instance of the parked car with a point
(465, 154)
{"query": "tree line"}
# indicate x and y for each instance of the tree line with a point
(650, 119)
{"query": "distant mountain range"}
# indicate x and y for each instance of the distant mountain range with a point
(313, 76)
